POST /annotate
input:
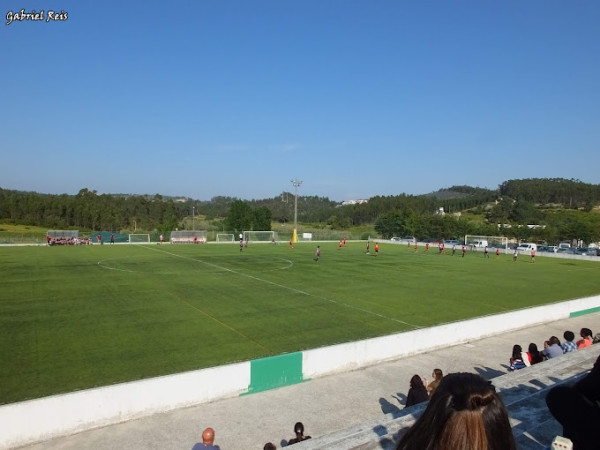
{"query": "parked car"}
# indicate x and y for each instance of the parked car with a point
(568, 251)
(526, 247)
(451, 242)
(396, 239)
(587, 251)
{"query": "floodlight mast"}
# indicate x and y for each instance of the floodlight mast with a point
(296, 183)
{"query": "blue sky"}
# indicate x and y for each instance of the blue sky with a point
(355, 98)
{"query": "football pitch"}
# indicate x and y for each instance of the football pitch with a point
(78, 317)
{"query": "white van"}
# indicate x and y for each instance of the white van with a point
(527, 247)
(480, 244)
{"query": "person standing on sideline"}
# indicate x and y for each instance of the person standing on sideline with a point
(112, 239)
(515, 254)
(533, 255)
(453, 249)
(318, 253)
(241, 244)
(427, 247)
(497, 252)
(376, 248)
(464, 250)
(486, 252)
(291, 244)
(208, 439)
(368, 245)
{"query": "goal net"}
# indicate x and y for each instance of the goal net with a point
(475, 241)
(188, 237)
(139, 238)
(225, 237)
(260, 236)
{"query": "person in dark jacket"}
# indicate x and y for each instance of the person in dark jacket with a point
(577, 408)
(417, 392)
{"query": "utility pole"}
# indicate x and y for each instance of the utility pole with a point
(296, 183)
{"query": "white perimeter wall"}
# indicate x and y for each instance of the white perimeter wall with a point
(58, 415)
(353, 355)
(42, 419)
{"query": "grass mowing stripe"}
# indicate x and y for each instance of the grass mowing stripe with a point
(66, 323)
(223, 324)
(292, 289)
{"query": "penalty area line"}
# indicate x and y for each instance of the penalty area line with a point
(101, 264)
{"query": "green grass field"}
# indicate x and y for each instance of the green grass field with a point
(77, 317)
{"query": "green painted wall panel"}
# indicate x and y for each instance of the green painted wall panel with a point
(275, 371)
(584, 312)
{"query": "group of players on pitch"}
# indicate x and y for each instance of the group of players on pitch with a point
(441, 250)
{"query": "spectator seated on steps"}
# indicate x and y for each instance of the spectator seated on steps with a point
(417, 392)
(518, 360)
(586, 338)
(552, 348)
(464, 413)
(299, 431)
(577, 408)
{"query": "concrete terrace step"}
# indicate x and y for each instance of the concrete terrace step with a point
(523, 393)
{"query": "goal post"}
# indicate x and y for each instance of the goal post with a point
(223, 237)
(260, 236)
(188, 237)
(139, 238)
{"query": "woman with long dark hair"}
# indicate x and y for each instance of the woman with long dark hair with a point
(464, 413)
(417, 392)
(535, 356)
(517, 360)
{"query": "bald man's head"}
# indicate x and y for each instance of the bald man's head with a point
(208, 436)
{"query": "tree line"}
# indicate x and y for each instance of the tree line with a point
(562, 207)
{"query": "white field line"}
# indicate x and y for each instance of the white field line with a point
(298, 291)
